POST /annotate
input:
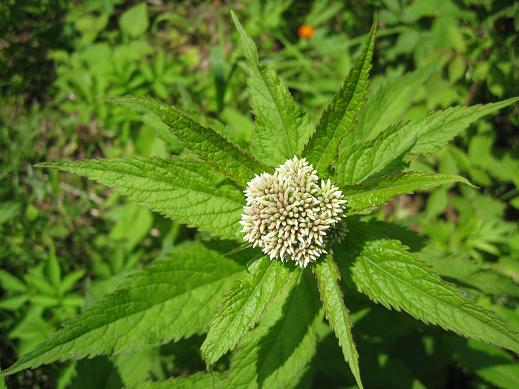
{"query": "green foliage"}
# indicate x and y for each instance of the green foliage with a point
(224, 156)
(69, 244)
(282, 128)
(388, 274)
(170, 300)
(279, 350)
(363, 198)
(174, 187)
(387, 105)
(338, 119)
(327, 275)
(438, 128)
(242, 307)
(134, 22)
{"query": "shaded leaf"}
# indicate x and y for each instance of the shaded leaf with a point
(277, 353)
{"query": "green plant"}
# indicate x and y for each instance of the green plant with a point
(49, 296)
(265, 311)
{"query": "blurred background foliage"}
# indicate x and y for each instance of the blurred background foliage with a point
(65, 242)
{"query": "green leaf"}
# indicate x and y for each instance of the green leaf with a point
(468, 272)
(11, 283)
(3, 385)
(384, 154)
(213, 148)
(439, 127)
(327, 275)
(386, 272)
(338, 119)
(181, 188)
(277, 353)
(53, 268)
(13, 303)
(377, 157)
(134, 21)
(243, 306)
(387, 105)
(365, 197)
(490, 363)
(213, 380)
(171, 299)
(282, 127)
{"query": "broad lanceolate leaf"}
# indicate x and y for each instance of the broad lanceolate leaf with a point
(386, 272)
(338, 119)
(327, 275)
(243, 306)
(365, 197)
(277, 353)
(171, 299)
(384, 154)
(387, 105)
(438, 128)
(223, 155)
(181, 188)
(377, 157)
(282, 127)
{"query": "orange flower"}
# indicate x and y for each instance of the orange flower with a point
(306, 31)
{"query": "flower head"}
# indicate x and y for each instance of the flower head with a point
(306, 31)
(289, 213)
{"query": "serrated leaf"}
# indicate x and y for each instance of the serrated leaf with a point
(171, 299)
(243, 306)
(277, 353)
(439, 127)
(383, 155)
(181, 188)
(386, 272)
(214, 380)
(338, 119)
(327, 275)
(365, 197)
(210, 146)
(282, 127)
(387, 105)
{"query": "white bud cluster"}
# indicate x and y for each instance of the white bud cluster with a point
(288, 213)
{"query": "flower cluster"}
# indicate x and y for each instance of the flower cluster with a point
(288, 213)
